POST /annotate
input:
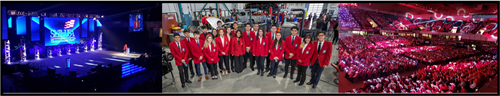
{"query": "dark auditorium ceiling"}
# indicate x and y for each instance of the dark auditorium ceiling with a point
(446, 8)
(78, 8)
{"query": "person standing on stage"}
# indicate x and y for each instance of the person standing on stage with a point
(210, 52)
(320, 59)
(270, 38)
(189, 61)
(276, 56)
(204, 34)
(238, 50)
(197, 52)
(248, 37)
(180, 55)
(124, 49)
(292, 43)
(259, 51)
(222, 43)
(304, 58)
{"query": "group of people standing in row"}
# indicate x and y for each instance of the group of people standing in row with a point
(239, 47)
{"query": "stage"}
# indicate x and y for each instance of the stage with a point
(82, 62)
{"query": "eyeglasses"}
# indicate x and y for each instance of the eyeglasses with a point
(321, 35)
(274, 28)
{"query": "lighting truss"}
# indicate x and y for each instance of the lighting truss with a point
(92, 45)
(37, 54)
(24, 52)
(99, 46)
(7, 52)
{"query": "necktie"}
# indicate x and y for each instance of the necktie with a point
(198, 43)
(319, 48)
(293, 39)
(273, 37)
(179, 45)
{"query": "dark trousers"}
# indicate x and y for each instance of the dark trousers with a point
(290, 63)
(231, 57)
(183, 73)
(204, 67)
(213, 68)
(268, 61)
(190, 65)
(251, 58)
(224, 60)
(274, 67)
(260, 62)
(238, 63)
(301, 76)
(316, 71)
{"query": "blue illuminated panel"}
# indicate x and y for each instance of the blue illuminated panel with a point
(135, 23)
(21, 25)
(98, 23)
(35, 29)
(129, 69)
(4, 22)
(91, 25)
(85, 27)
(10, 22)
(59, 31)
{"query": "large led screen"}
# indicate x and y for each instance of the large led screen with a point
(60, 31)
(135, 23)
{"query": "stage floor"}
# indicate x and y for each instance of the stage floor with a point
(84, 61)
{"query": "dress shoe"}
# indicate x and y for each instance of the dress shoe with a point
(295, 81)
(314, 86)
(274, 76)
(187, 81)
(258, 73)
(291, 77)
(261, 74)
(268, 75)
(199, 79)
(206, 77)
(284, 76)
(309, 83)
(252, 69)
(183, 85)
(267, 70)
(301, 84)
(192, 76)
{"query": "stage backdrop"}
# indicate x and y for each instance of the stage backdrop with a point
(136, 23)
(60, 31)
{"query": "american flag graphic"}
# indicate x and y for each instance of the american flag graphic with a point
(69, 24)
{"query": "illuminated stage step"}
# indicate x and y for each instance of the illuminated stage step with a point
(129, 69)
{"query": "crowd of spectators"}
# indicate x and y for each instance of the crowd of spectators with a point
(442, 54)
(346, 19)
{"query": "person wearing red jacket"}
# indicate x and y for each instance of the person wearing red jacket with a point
(291, 49)
(235, 27)
(259, 51)
(124, 49)
(204, 20)
(222, 42)
(137, 24)
(248, 37)
(196, 49)
(231, 56)
(210, 52)
(204, 34)
(320, 59)
(270, 36)
(238, 50)
(304, 58)
(186, 41)
(255, 27)
(180, 55)
(276, 56)
(219, 27)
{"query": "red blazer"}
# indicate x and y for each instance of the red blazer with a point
(211, 54)
(248, 39)
(136, 25)
(292, 48)
(260, 49)
(225, 49)
(197, 51)
(190, 56)
(237, 49)
(277, 52)
(233, 33)
(270, 39)
(305, 56)
(179, 54)
(203, 36)
(324, 54)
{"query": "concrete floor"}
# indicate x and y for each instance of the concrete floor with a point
(249, 82)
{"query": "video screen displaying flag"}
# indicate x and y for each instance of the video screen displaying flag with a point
(60, 31)
(135, 23)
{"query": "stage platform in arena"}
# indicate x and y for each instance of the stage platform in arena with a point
(81, 62)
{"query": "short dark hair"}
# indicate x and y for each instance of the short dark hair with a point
(185, 31)
(196, 32)
(294, 27)
(248, 24)
(177, 34)
(320, 33)
(203, 27)
(219, 22)
(273, 26)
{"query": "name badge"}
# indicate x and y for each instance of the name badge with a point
(307, 52)
(296, 45)
(226, 42)
(251, 39)
(281, 48)
(214, 50)
(202, 48)
(183, 49)
(324, 51)
(264, 43)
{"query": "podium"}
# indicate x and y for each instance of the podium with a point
(128, 51)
